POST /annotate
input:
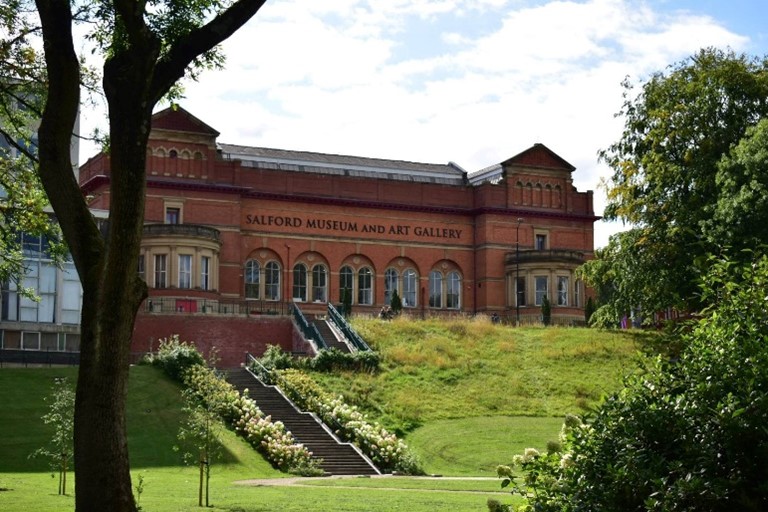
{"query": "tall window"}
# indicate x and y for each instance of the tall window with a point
(319, 283)
(364, 286)
(541, 242)
(173, 215)
(346, 278)
(185, 271)
(542, 286)
(453, 291)
(390, 284)
(562, 291)
(272, 281)
(435, 289)
(161, 271)
(71, 295)
(299, 282)
(520, 291)
(140, 267)
(252, 279)
(410, 287)
(577, 293)
(205, 272)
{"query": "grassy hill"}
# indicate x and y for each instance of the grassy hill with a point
(468, 394)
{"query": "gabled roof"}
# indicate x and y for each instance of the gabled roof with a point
(177, 119)
(540, 156)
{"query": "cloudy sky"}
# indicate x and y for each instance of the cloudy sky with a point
(468, 81)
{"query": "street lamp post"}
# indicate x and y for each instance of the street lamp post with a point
(517, 271)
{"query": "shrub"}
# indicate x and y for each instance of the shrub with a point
(546, 310)
(687, 435)
(384, 448)
(174, 357)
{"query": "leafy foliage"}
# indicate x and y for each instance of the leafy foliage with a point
(667, 179)
(175, 357)
(684, 435)
(396, 303)
(546, 311)
(61, 417)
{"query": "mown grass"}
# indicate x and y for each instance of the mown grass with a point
(469, 395)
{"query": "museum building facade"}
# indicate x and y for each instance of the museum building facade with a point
(230, 227)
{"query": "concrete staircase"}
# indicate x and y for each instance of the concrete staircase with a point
(337, 458)
(329, 335)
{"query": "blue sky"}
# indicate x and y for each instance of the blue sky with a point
(468, 81)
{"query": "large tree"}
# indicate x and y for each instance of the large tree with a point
(148, 47)
(666, 182)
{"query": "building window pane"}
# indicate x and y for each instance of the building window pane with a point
(562, 291)
(140, 267)
(300, 283)
(173, 215)
(161, 271)
(205, 272)
(272, 281)
(520, 291)
(71, 296)
(541, 242)
(542, 286)
(410, 285)
(453, 292)
(319, 283)
(346, 277)
(30, 341)
(185, 271)
(364, 286)
(435, 289)
(252, 278)
(577, 293)
(9, 302)
(390, 284)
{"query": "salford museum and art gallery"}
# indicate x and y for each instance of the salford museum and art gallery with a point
(236, 235)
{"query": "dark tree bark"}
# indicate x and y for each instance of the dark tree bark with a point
(135, 79)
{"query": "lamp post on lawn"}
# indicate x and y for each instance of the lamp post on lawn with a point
(517, 271)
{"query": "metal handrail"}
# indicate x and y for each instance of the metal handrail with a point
(341, 322)
(308, 330)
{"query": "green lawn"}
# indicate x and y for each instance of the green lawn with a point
(467, 395)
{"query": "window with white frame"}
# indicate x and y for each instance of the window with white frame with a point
(346, 282)
(453, 291)
(435, 289)
(410, 287)
(299, 282)
(272, 281)
(185, 271)
(319, 283)
(252, 279)
(161, 270)
(205, 272)
(542, 288)
(562, 291)
(365, 286)
(390, 284)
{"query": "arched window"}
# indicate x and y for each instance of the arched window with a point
(364, 286)
(435, 289)
(319, 283)
(390, 284)
(410, 287)
(173, 153)
(346, 279)
(272, 281)
(453, 291)
(252, 279)
(299, 282)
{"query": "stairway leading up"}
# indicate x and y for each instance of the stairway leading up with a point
(329, 335)
(337, 458)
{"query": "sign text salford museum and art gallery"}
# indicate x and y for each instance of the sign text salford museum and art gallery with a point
(352, 227)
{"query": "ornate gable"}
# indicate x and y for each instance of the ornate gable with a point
(539, 156)
(176, 119)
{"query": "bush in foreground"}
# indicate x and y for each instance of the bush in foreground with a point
(681, 436)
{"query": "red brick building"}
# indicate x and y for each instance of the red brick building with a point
(235, 229)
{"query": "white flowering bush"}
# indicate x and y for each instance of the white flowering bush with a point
(384, 448)
(270, 438)
(273, 440)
